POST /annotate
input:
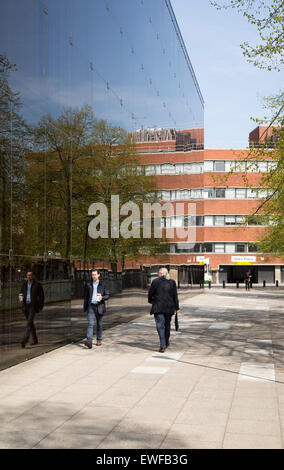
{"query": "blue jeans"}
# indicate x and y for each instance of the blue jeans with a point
(92, 313)
(30, 327)
(163, 324)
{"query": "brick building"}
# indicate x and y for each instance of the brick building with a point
(190, 174)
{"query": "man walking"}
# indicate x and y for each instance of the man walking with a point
(164, 299)
(96, 293)
(32, 298)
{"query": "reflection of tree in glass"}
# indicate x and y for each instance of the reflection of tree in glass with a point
(78, 160)
(13, 145)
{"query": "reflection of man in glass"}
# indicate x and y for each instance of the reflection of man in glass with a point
(32, 298)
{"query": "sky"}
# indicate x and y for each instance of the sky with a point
(232, 88)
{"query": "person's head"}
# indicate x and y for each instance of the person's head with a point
(164, 272)
(30, 276)
(95, 275)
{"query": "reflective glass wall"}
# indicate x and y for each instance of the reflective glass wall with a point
(65, 66)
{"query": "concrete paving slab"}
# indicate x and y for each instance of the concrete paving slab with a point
(269, 428)
(57, 440)
(247, 441)
(91, 398)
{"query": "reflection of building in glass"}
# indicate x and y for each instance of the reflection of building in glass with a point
(64, 67)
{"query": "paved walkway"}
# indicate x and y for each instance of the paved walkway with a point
(219, 385)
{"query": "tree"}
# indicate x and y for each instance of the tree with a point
(59, 175)
(117, 170)
(14, 141)
(268, 18)
(268, 54)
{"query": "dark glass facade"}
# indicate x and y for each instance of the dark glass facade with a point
(63, 66)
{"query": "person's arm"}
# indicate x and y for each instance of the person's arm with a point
(105, 295)
(151, 292)
(86, 293)
(40, 296)
(176, 301)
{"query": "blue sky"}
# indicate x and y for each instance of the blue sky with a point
(232, 88)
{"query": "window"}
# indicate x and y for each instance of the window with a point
(207, 247)
(229, 166)
(230, 193)
(179, 169)
(199, 220)
(230, 247)
(158, 169)
(272, 165)
(240, 193)
(196, 193)
(208, 220)
(262, 193)
(166, 195)
(252, 248)
(262, 167)
(219, 247)
(197, 168)
(220, 192)
(219, 220)
(241, 167)
(167, 169)
(208, 166)
(240, 248)
(230, 220)
(150, 170)
(219, 166)
(251, 193)
(187, 168)
(206, 193)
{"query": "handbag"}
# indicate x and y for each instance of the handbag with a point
(176, 322)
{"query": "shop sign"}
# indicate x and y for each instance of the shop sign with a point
(243, 259)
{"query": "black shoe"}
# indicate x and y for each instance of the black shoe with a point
(23, 344)
(162, 350)
(88, 343)
(34, 342)
(168, 344)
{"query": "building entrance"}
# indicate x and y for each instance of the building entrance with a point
(232, 274)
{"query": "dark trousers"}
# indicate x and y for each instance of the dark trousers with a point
(163, 325)
(30, 326)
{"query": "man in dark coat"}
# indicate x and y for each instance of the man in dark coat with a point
(96, 293)
(32, 298)
(164, 299)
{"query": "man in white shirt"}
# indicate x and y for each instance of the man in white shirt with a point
(95, 295)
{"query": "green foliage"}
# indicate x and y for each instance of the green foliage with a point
(268, 18)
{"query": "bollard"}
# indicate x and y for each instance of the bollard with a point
(224, 285)
(263, 283)
(209, 284)
(238, 284)
(277, 284)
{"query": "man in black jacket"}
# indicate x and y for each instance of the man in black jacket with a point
(164, 299)
(96, 293)
(32, 298)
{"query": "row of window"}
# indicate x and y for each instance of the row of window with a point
(207, 166)
(229, 247)
(212, 193)
(210, 220)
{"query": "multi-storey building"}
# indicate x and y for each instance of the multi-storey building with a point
(212, 181)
